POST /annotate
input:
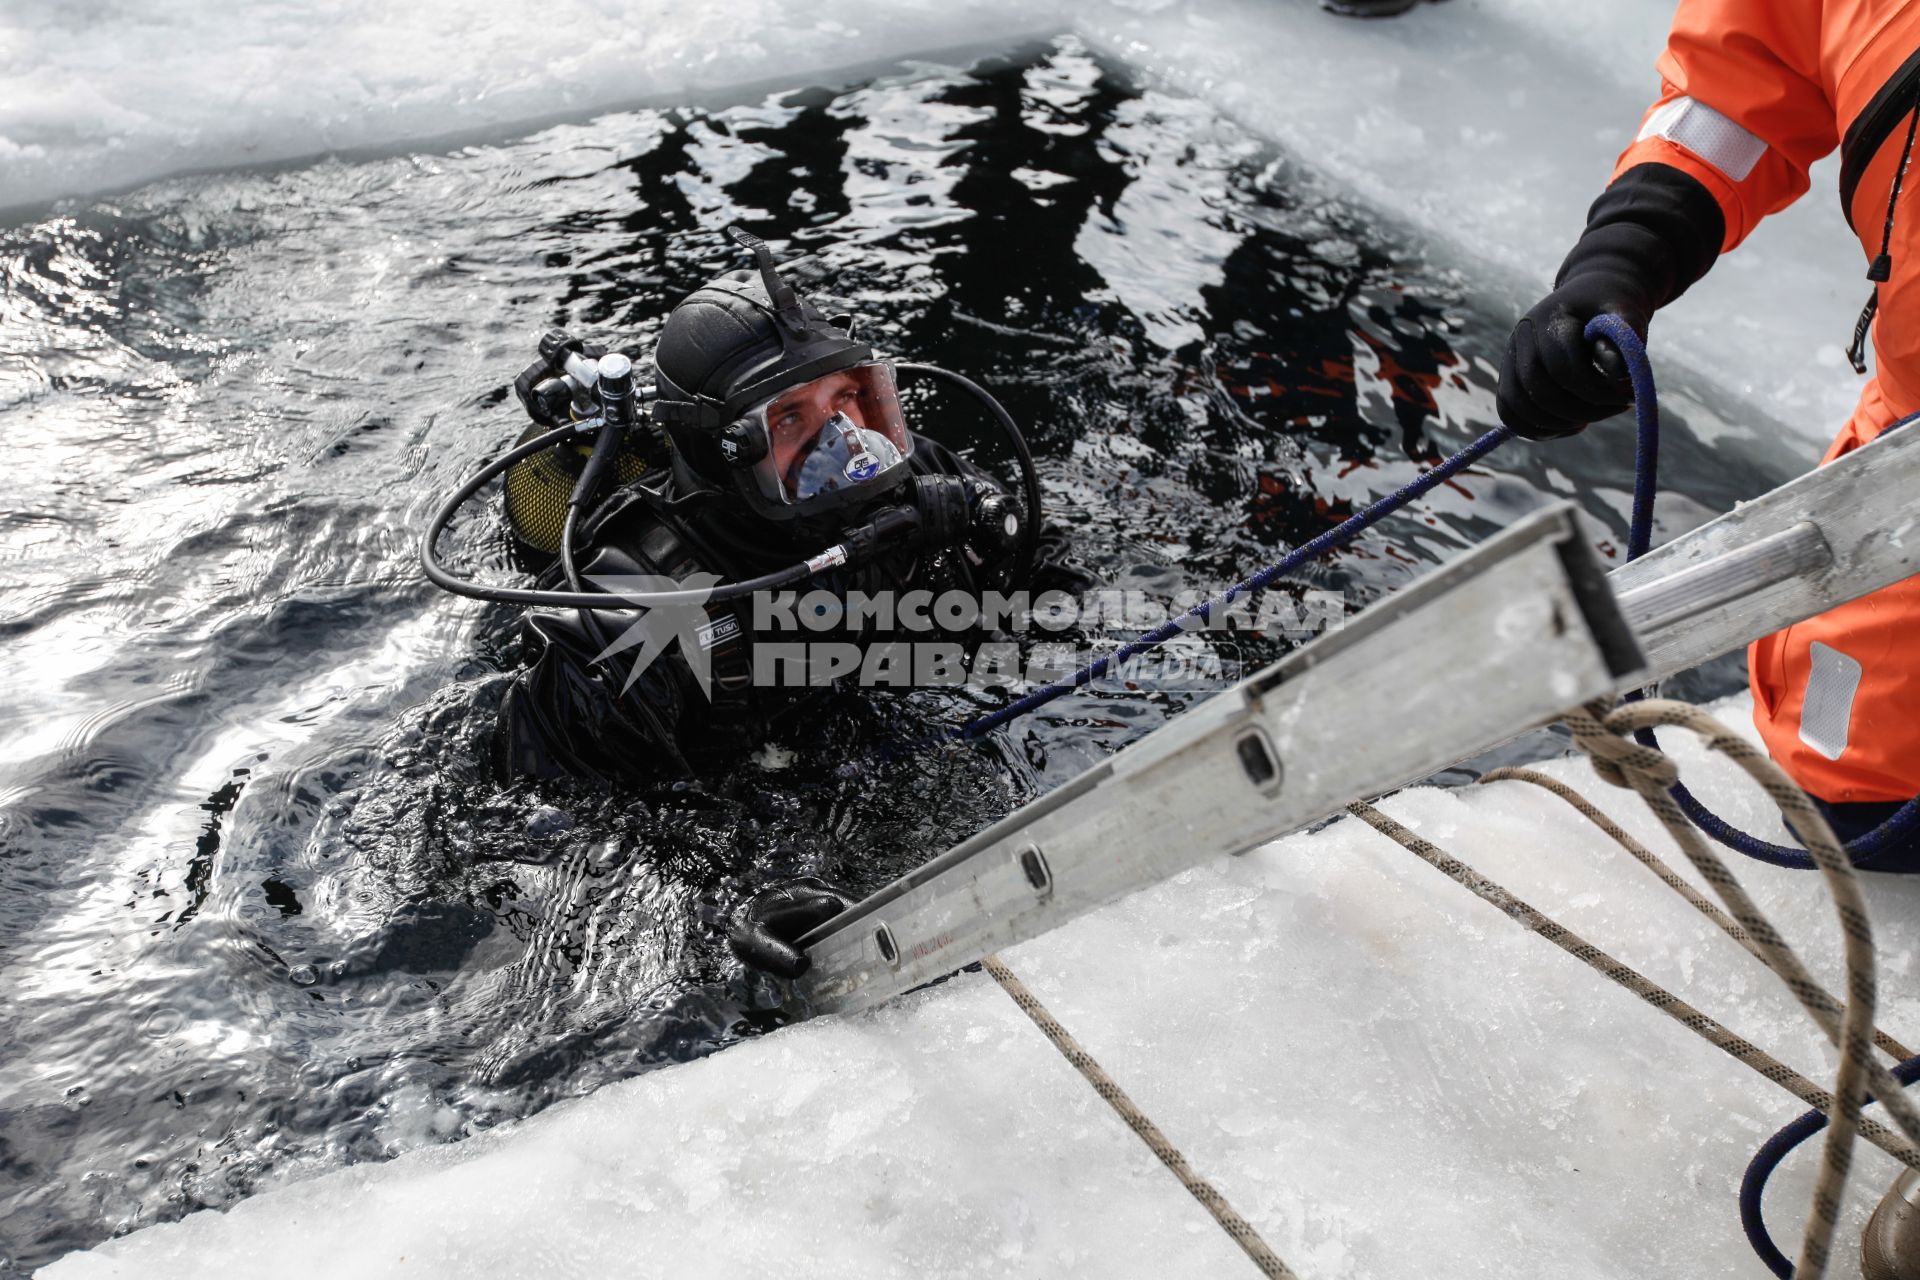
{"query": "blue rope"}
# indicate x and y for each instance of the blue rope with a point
(1646, 465)
(1338, 536)
(1863, 850)
(1753, 1185)
(1646, 412)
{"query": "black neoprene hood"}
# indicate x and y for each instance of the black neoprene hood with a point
(737, 341)
(731, 344)
(723, 346)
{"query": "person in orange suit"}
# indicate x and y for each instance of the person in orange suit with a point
(1752, 93)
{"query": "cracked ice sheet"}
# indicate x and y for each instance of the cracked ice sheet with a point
(1385, 1075)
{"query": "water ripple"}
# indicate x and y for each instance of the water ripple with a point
(266, 907)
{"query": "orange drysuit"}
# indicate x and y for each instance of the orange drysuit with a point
(1753, 92)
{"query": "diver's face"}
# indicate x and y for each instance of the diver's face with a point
(794, 420)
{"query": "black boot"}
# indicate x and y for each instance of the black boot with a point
(1367, 8)
(1890, 1247)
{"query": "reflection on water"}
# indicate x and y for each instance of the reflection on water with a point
(263, 908)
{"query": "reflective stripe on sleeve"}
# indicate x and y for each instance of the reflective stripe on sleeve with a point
(1692, 124)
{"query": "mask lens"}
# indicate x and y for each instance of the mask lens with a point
(839, 433)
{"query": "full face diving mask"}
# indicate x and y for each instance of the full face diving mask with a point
(838, 441)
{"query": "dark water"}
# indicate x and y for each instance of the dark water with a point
(262, 909)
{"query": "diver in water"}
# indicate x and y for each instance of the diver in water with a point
(781, 459)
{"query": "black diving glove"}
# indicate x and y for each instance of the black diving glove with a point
(764, 931)
(1649, 236)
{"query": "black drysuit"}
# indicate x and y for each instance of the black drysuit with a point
(565, 715)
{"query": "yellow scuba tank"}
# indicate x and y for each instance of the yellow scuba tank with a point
(535, 491)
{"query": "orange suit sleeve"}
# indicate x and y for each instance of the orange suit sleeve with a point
(1743, 107)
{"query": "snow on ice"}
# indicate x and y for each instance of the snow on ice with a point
(1382, 1073)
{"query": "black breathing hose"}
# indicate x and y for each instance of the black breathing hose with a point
(444, 578)
(604, 447)
(1029, 476)
(861, 542)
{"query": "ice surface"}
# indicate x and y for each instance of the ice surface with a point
(1382, 1073)
(102, 94)
(1488, 125)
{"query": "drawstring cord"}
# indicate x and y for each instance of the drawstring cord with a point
(1881, 269)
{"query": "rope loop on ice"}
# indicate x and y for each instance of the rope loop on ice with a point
(1620, 762)
(1608, 737)
(1619, 745)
